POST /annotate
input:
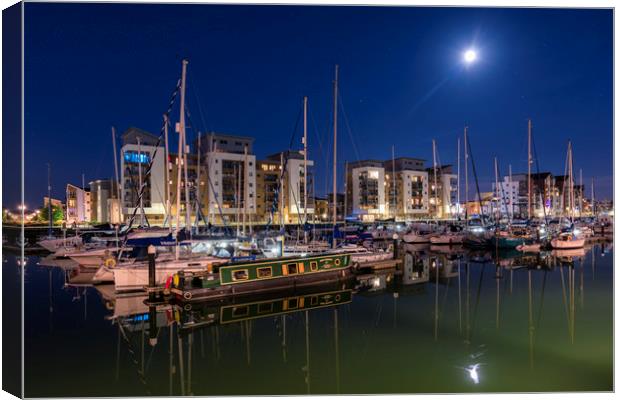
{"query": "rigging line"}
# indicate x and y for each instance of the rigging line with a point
(346, 120)
(318, 138)
(473, 167)
(197, 97)
(275, 203)
(150, 167)
(538, 172)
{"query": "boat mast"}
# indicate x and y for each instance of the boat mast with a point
(458, 176)
(571, 182)
(49, 200)
(140, 181)
(435, 179)
(497, 203)
(335, 182)
(346, 197)
(529, 169)
(237, 172)
(179, 156)
(188, 222)
(592, 200)
(305, 168)
(512, 209)
(394, 183)
(197, 191)
(245, 186)
(167, 173)
(117, 177)
(466, 183)
(281, 192)
(580, 191)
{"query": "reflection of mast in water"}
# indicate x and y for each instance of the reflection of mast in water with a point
(498, 276)
(283, 337)
(181, 363)
(51, 298)
(307, 367)
(436, 265)
(530, 318)
(581, 282)
(593, 263)
(247, 328)
(190, 346)
(467, 294)
(118, 352)
(460, 316)
(337, 346)
(171, 368)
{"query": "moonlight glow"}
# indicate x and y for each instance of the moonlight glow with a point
(470, 56)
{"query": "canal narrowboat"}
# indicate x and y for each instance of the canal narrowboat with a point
(259, 276)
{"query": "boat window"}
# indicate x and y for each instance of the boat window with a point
(240, 311)
(264, 272)
(337, 261)
(314, 300)
(314, 266)
(264, 308)
(240, 275)
(291, 268)
(291, 304)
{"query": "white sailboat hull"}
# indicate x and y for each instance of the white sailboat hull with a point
(53, 245)
(568, 244)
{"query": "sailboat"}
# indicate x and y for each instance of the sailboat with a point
(570, 239)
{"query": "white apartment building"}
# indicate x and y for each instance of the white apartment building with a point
(231, 168)
(366, 190)
(507, 197)
(134, 162)
(78, 205)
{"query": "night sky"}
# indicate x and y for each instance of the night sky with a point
(402, 81)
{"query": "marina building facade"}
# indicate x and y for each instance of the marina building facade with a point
(104, 204)
(231, 168)
(366, 190)
(138, 149)
(78, 205)
(406, 188)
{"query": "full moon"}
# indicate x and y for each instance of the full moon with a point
(470, 56)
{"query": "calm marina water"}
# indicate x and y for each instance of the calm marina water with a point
(485, 322)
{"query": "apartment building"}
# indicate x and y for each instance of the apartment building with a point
(231, 168)
(78, 205)
(366, 190)
(406, 188)
(442, 195)
(138, 149)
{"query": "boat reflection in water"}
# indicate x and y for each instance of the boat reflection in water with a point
(476, 311)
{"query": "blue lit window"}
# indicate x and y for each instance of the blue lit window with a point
(134, 157)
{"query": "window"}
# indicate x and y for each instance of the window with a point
(314, 266)
(291, 268)
(292, 304)
(264, 272)
(240, 275)
(264, 308)
(314, 300)
(240, 311)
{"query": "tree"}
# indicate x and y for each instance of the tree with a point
(57, 214)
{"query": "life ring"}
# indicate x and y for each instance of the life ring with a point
(187, 295)
(110, 262)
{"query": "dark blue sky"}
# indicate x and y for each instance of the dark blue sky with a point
(401, 78)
